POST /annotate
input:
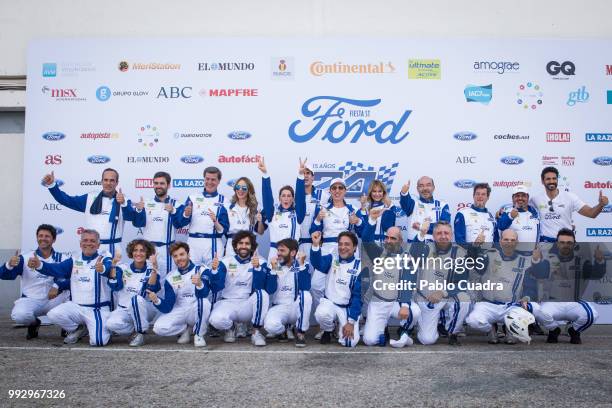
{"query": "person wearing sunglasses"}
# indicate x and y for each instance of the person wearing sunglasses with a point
(556, 207)
(521, 218)
(242, 212)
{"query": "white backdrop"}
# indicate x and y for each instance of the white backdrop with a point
(183, 104)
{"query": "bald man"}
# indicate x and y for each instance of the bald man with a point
(386, 300)
(425, 211)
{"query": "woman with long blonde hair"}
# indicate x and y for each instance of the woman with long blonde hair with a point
(378, 200)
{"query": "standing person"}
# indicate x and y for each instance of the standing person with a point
(425, 212)
(185, 302)
(342, 301)
(475, 224)
(285, 219)
(289, 286)
(314, 198)
(242, 213)
(377, 197)
(521, 218)
(158, 218)
(135, 310)
(105, 211)
(556, 207)
(206, 215)
(39, 293)
(88, 271)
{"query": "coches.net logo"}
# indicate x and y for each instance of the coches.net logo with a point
(481, 94)
(327, 114)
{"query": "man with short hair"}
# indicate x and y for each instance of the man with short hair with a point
(521, 218)
(475, 224)
(105, 211)
(39, 293)
(88, 271)
(425, 212)
(556, 207)
(207, 217)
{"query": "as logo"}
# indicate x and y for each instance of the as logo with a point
(52, 159)
(174, 92)
(357, 177)
(566, 68)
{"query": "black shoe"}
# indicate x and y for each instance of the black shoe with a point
(574, 336)
(300, 340)
(63, 333)
(442, 330)
(553, 336)
(282, 338)
(453, 340)
(326, 338)
(535, 328)
(33, 330)
(213, 332)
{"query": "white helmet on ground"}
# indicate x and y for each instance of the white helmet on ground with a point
(517, 322)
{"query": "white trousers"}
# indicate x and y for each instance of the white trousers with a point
(229, 311)
(70, 315)
(580, 314)
(194, 314)
(328, 312)
(26, 310)
(296, 313)
(136, 317)
(379, 313)
(457, 307)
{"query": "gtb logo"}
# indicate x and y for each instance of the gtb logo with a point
(466, 160)
(52, 159)
(567, 68)
(174, 92)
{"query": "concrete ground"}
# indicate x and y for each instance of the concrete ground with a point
(163, 373)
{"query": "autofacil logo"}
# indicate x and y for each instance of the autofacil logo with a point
(229, 92)
(511, 160)
(239, 135)
(603, 161)
(282, 68)
(598, 184)
(49, 69)
(226, 66)
(53, 136)
(561, 70)
(99, 135)
(598, 137)
(326, 114)
(62, 94)
(148, 159)
(148, 135)
(465, 136)
(424, 69)
(481, 94)
(599, 232)
(98, 159)
(580, 95)
(239, 159)
(558, 137)
(174, 92)
(464, 183)
(510, 137)
(191, 135)
(320, 68)
(192, 159)
(529, 95)
(497, 67)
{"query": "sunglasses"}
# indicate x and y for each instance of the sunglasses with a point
(333, 188)
(550, 206)
(238, 188)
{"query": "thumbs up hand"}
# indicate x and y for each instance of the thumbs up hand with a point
(49, 179)
(188, 210)
(34, 262)
(120, 197)
(152, 296)
(406, 187)
(14, 261)
(140, 205)
(255, 260)
(99, 265)
(603, 200)
(196, 279)
(215, 262)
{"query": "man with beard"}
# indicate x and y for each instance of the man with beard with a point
(39, 293)
(521, 218)
(425, 212)
(244, 297)
(475, 224)
(158, 220)
(388, 302)
(289, 285)
(556, 207)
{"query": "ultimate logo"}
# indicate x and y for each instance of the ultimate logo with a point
(357, 177)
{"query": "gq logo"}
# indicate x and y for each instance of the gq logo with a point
(357, 177)
(567, 68)
(324, 109)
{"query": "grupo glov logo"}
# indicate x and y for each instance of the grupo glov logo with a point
(464, 183)
(481, 94)
(603, 160)
(511, 160)
(239, 135)
(336, 107)
(192, 159)
(53, 136)
(98, 159)
(465, 136)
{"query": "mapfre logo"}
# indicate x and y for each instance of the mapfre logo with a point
(229, 92)
(53, 159)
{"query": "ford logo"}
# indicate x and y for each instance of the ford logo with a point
(607, 209)
(231, 182)
(53, 136)
(192, 159)
(603, 160)
(58, 182)
(98, 159)
(59, 230)
(239, 135)
(465, 136)
(511, 160)
(463, 183)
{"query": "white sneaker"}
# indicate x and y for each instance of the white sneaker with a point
(510, 339)
(185, 336)
(198, 341)
(258, 339)
(241, 330)
(290, 334)
(404, 340)
(229, 336)
(319, 335)
(137, 340)
(75, 336)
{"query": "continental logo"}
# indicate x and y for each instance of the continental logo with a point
(320, 68)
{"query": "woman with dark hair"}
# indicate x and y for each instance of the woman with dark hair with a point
(242, 211)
